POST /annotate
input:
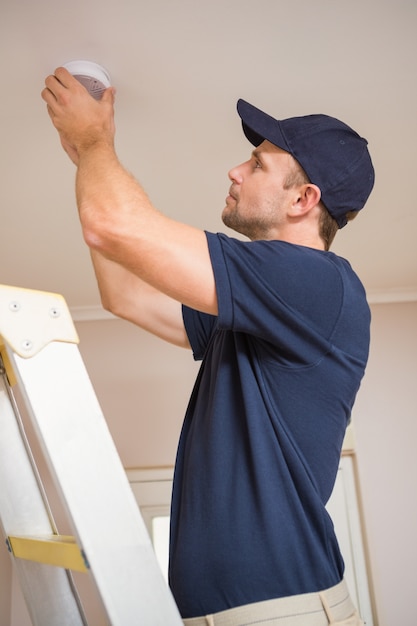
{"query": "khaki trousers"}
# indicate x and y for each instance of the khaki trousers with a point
(331, 607)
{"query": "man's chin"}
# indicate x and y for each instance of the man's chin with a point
(227, 218)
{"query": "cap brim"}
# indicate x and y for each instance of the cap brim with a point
(259, 126)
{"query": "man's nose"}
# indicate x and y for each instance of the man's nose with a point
(235, 174)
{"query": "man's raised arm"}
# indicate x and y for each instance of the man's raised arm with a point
(118, 220)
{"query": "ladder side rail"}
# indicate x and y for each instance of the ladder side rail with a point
(90, 478)
(49, 592)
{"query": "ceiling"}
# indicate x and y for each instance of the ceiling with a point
(179, 66)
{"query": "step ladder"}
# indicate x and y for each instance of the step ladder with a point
(39, 358)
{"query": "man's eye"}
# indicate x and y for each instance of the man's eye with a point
(258, 164)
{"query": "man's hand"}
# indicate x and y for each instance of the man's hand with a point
(80, 120)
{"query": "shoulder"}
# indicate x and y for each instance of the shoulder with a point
(275, 254)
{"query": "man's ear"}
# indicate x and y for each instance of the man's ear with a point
(307, 198)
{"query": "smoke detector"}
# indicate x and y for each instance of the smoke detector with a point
(92, 76)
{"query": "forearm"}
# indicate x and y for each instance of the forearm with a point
(120, 222)
(110, 201)
(127, 296)
(114, 283)
(122, 292)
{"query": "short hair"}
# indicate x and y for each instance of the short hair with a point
(328, 226)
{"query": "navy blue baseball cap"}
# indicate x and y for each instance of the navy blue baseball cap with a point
(334, 157)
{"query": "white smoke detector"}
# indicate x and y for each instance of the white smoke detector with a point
(94, 77)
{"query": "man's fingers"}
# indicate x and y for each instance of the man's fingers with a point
(59, 81)
(76, 115)
(52, 85)
(109, 95)
(64, 77)
(50, 100)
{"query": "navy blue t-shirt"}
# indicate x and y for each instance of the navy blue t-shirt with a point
(261, 440)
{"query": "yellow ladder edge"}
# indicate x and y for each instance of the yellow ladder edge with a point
(58, 550)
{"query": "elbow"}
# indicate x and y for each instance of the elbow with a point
(113, 304)
(96, 227)
(109, 301)
(101, 239)
(108, 306)
(93, 238)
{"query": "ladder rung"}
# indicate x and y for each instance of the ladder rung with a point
(58, 550)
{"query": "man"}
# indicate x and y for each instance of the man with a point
(282, 327)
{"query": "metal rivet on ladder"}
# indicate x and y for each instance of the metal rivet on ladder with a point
(14, 306)
(27, 344)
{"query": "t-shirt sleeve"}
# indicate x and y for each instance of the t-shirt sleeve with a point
(199, 328)
(290, 296)
(297, 301)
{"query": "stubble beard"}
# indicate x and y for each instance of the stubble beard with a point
(256, 226)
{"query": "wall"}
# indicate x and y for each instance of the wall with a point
(143, 386)
(386, 432)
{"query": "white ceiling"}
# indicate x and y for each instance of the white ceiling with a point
(179, 66)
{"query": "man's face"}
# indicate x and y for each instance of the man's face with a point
(257, 199)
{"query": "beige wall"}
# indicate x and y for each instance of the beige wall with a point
(143, 386)
(386, 431)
